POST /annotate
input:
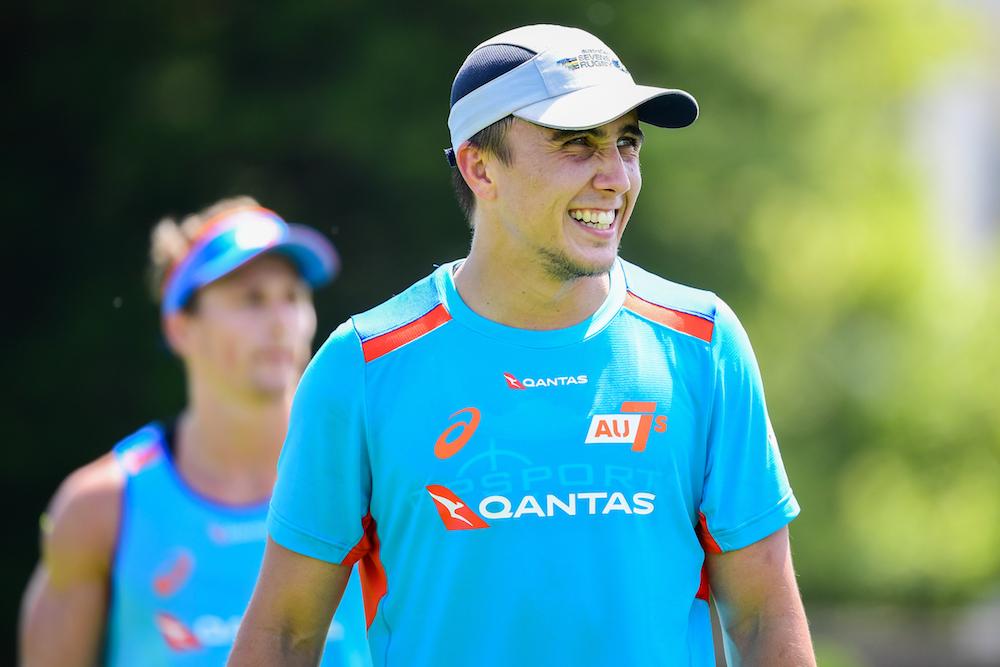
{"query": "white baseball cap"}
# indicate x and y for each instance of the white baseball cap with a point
(558, 77)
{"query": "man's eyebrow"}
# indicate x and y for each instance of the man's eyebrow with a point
(634, 129)
(596, 132)
(560, 135)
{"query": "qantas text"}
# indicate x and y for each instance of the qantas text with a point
(589, 503)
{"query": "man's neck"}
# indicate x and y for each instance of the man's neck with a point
(527, 296)
(228, 450)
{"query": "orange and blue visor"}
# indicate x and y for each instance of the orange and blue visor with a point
(238, 236)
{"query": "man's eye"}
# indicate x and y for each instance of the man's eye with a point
(253, 298)
(578, 141)
(629, 142)
(297, 295)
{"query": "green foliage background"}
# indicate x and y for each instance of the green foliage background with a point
(791, 197)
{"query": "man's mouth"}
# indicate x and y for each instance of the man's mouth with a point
(598, 218)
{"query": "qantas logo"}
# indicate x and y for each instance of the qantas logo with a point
(632, 427)
(237, 533)
(591, 503)
(455, 513)
(536, 383)
(175, 633)
(172, 577)
(210, 630)
(512, 381)
(445, 448)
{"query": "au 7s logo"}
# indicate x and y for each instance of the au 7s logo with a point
(632, 427)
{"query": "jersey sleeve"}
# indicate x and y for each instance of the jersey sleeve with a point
(324, 478)
(746, 495)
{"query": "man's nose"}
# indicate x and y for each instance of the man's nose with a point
(613, 173)
(283, 315)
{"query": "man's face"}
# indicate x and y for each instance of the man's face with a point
(251, 331)
(567, 195)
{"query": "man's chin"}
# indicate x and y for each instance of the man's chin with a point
(275, 388)
(564, 267)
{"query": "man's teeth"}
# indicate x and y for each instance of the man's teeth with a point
(597, 218)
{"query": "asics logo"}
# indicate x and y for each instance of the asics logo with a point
(455, 514)
(171, 578)
(445, 448)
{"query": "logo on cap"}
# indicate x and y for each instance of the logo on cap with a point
(592, 58)
(254, 230)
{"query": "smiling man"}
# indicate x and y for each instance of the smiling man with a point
(540, 454)
(150, 553)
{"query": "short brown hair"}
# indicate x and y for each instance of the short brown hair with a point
(171, 240)
(493, 140)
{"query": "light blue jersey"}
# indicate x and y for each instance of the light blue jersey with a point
(533, 498)
(185, 567)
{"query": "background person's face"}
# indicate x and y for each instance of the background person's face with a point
(251, 331)
(555, 180)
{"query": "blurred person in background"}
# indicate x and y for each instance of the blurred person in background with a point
(150, 553)
(541, 454)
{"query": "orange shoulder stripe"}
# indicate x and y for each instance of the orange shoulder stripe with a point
(397, 338)
(694, 325)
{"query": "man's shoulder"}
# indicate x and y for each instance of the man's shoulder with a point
(90, 497)
(407, 306)
(680, 307)
(82, 518)
(395, 322)
(97, 482)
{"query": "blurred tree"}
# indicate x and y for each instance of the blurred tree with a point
(795, 203)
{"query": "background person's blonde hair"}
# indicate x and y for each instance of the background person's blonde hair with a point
(171, 240)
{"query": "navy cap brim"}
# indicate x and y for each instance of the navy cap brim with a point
(590, 107)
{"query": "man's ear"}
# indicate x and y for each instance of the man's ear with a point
(475, 165)
(177, 331)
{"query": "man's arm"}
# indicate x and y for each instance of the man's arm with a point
(759, 604)
(64, 609)
(290, 611)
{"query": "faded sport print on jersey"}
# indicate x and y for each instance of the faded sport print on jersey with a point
(505, 484)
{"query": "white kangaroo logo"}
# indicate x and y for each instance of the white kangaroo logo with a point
(452, 507)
